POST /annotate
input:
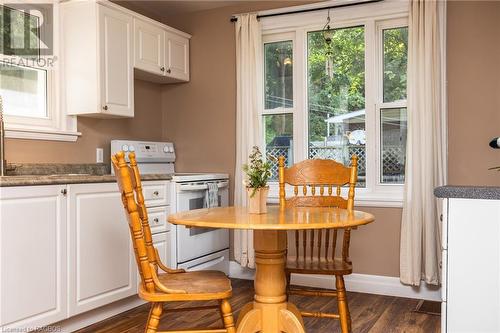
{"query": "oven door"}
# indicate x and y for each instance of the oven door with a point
(197, 242)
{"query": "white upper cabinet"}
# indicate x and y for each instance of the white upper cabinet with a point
(149, 47)
(116, 68)
(177, 56)
(97, 44)
(160, 51)
(102, 43)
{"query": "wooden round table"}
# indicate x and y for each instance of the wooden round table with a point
(270, 312)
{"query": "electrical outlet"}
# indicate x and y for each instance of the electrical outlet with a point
(99, 155)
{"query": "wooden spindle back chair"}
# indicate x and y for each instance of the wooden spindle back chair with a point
(173, 284)
(319, 183)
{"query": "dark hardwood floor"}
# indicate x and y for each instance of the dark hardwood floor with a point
(369, 313)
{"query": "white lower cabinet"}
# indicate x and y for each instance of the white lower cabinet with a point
(471, 266)
(66, 249)
(32, 256)
(102, 268)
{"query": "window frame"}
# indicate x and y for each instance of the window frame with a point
(374, 19)
(379, 81)
(57, 126)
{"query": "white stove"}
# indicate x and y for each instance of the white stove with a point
(192, 248)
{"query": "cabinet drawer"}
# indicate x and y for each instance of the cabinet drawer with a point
(158, 219)
(156, 193)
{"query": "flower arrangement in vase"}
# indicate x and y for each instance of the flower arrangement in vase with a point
(258, 172)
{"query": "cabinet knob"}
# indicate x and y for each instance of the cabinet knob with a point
(162, 69)
(441, 217)
(156, 220)
(156, 193)
(64, 191)
(105, 107)
(169, 71)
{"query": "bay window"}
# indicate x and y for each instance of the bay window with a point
(336, 99)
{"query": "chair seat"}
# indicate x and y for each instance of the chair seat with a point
(200, 285)
(199, 282)
(315, 266)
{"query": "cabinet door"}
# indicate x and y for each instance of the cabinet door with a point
(473, 298)
(177, 56)
(33, 256)
(116, 64)
(149, 47)
(102, 264)
(162, 243)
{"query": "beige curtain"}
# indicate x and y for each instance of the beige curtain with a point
(426, 148)
(248, 74)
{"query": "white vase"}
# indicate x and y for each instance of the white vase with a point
(257, 203)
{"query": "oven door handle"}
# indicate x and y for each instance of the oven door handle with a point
(201, 187)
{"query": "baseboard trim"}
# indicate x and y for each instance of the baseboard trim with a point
(94, 316)
(362, 283)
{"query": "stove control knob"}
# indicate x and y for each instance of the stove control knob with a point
(125, 148)
(171, 149)
(131, 148)
(165, 149)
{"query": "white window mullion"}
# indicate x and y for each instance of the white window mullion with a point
(370, 95)
(300, 85)
(379, 89)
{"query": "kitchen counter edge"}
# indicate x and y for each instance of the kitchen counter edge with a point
(468, 192)
(9, 181)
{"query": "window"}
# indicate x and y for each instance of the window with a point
(278, 102)
(278, 73)
(393, 106)
(24, 91)
(339, 99)
(28, 74)
(336, 96)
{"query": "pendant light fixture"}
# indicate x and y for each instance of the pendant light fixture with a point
(328, 37)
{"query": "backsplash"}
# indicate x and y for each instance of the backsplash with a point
(22, 169)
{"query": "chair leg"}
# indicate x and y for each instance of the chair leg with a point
(227, 316)
(154, 317)
(345, 317)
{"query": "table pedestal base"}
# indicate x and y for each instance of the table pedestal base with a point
(270, 312)
(287, 319)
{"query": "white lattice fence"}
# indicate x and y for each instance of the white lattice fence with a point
(274, 153)
(393, 164)
(342, 155)
(393, 158)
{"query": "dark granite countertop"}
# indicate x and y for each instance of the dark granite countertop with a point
(57, 174)
(27, 180)
(468, 192)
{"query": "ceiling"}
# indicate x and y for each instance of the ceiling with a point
(162, 8)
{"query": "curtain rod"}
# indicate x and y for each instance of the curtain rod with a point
(234, 18)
